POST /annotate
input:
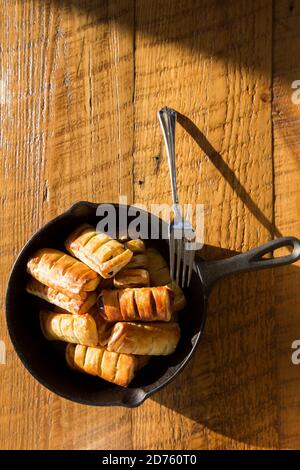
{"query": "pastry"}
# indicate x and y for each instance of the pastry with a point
(113, 367)
(132, 278)
(62, 272)
(103, 327)
(140, 304)
(98, 250)
(78, 329)
(160, 275)
(139, 260)
(136, 246)
(134, 317)
(156, 339)
(179, 298)
(59, 299)
(158, 268)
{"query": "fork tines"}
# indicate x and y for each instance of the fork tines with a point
(182, 253)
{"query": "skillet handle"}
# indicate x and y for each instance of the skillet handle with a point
(212, 271)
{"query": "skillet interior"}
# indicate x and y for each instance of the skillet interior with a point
(45, 360)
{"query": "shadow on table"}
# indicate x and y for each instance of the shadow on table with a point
(227, 173)
(231, 30)
(231, 386)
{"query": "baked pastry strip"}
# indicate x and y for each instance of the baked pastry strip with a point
(136, 246)
(103, 327)
(98, 250)
(160, 275)
(132, 278)
(59, 299)
(62, 272)
(179, 297)
(78, 329)
(136, 304)
(158, 268)
(113, 367)
(139, 260)
(155, 339)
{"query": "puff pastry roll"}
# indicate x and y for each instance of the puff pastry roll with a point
(132, 278)
(103, 327)
(155, 339)
(71, 304)
(160, 275)
(98, 250)
(139, 261)
(136, 246)
(158, 268)
(140, 304)
(78, 329)
(62, 272)
(113, 367)
(179, 298)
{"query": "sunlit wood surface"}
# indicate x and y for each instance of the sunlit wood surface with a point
(80, 86)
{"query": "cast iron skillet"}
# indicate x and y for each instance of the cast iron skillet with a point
(44, 359)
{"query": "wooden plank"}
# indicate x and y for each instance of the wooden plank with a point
(211, 61)
(286, 120)
(67, 76)
(66, 134)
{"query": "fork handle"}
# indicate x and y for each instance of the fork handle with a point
(167, 118)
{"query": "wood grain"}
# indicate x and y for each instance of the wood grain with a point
(286, 120)
(66, 119)
(225, 396)
(80, 85)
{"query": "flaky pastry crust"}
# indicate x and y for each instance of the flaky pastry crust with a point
(98, 250)
(151, 339)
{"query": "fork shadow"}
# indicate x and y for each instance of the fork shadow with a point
(231, 386)
(227, 173)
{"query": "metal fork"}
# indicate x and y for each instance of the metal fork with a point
(181, 233)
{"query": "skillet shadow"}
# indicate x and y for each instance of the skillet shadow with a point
(232, 384)
(228, 30)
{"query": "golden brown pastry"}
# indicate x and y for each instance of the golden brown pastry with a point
(160, 275)
(113, 367)
(98, 250)
(140, 304)
(179, 298)
(138, 261)
(132, 278)
(155, 339)
(136, 246)
(158, 268)
(62, 272)
(71, 304)
(103, 327)
(78, 329)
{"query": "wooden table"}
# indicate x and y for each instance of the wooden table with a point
(81, 82)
